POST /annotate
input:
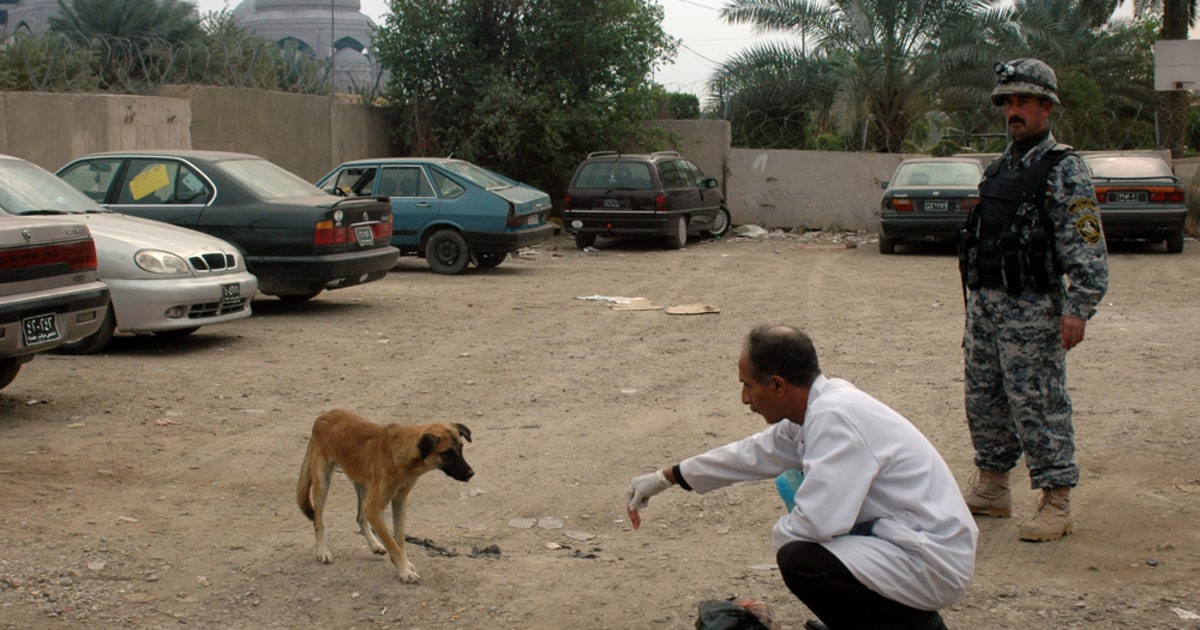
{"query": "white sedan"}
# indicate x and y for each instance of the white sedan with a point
(163, 279)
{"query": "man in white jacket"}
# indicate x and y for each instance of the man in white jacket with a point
(880, 536)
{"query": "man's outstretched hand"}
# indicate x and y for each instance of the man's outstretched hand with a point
(640, 491)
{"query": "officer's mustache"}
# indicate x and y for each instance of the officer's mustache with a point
(1016, 119)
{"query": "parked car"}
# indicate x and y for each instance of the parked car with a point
(162, 279)
(296, 239)
(662, 194)
(927, 199)
(450, 212)
(49, 291)
(1139, 198)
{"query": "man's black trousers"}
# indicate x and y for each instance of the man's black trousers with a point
(828, 588)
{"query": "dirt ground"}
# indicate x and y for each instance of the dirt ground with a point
(154, 485)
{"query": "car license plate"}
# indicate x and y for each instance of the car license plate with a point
(40, 328)
(940, 204)
(231, 293)
(1124, 196)
(612, 203)
(364, 235)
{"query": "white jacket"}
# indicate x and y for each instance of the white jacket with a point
(862, 461)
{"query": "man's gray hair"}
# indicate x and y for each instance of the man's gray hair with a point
(784, 351)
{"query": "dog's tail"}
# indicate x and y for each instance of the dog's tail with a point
(304, 485)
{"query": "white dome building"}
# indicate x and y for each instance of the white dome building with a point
(309, 25)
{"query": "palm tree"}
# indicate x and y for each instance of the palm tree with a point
(172, 20)
(1177, 17)
(881, 54)
(137, 40)
(774, 96)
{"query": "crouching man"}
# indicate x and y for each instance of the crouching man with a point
(880, 536)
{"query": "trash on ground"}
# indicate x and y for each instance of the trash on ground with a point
(692, 309)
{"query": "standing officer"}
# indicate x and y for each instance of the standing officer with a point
(1036, 225)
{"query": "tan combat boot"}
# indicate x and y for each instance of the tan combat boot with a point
(989, 495)
(1053, 518)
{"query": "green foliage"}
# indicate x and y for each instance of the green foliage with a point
(168, 20)
(137, 40)
(525, 87)
(774, 97)
(881, 55)
(32, 62)
(1192, 137)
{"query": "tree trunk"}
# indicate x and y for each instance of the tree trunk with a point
(1173, 106)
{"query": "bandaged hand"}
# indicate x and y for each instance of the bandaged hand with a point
(644, 487)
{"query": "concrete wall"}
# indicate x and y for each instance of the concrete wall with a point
(307, 135)
(311, 134)
(50, 129)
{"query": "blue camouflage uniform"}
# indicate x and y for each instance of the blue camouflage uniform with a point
(1015, 364)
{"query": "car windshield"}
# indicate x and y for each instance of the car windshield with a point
(267, 180)
(1127, 167)
(26, 188)
(938, 174)
(476, 175)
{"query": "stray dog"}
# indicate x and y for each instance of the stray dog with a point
(383, 462)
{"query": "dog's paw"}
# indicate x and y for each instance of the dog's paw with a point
(324, 557)
(376, 547)
(409, 575)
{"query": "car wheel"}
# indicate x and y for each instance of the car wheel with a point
(677, 239)
(490, 260)
(8, 371)
(96, 341)
(176, 333)
(1175, 241)
(299, 297)
(887, 246)
(584, 241)
(721, 224)
(447, 253)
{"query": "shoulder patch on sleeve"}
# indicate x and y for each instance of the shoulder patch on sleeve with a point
(1081, 204)
(1088, 227)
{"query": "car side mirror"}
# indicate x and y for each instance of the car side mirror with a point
(710, 182)
(883, 184)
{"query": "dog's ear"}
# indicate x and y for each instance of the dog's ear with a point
(463, 431)
(427, 444)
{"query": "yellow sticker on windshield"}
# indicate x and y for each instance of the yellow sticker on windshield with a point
(152, 179)
(1089, 229)
(1082, 203)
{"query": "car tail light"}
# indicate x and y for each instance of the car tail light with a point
(660, 203)
(80, 256)
(902, 204)
(1166, 195)
(969, 204)
(567, 201)
(513, 220)
(383, 229)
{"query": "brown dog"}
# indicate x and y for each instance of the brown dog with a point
(383, 462)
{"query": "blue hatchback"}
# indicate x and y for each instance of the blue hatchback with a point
(451, 212)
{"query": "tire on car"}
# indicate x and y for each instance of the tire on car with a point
(446, 252)
(677, 239)
(96, 341)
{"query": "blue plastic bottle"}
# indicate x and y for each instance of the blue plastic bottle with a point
(787, 484)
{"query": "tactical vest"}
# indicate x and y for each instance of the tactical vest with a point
(1008, 240)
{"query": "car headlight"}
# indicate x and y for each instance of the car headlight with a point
(158, 261)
